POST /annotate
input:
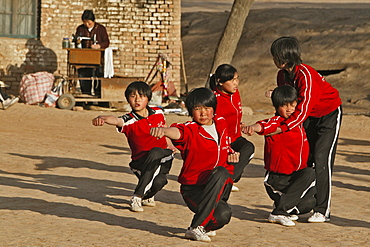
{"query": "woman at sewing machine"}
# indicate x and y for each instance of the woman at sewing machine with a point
(92, 34)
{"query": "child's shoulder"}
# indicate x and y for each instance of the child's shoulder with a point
(190, 124)
(272, 120)
(132, 116)
(127, 117)
(304, 68)
(156, 110)
(219, 120)
(189, 127)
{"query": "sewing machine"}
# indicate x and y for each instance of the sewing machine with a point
(112, 89)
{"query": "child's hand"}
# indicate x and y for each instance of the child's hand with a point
(233, 158)
(110, 120)
(249, 130)
(98, 121)
(170, 145)
(157, 132)
(268, 93)
(173, 148)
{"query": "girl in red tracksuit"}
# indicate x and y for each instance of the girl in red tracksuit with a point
(288, 181)
(319, 109)
(206, 175)
(224, 84)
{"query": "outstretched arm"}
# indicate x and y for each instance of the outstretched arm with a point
(278, 130)
(171, 132)
(267, 127)
(251, 129)
(111, 120)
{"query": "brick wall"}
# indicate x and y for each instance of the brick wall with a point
(140, 29)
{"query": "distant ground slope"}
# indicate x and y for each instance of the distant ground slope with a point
(335, 40)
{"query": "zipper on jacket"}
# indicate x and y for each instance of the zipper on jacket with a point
(218, 145)
(237, 113)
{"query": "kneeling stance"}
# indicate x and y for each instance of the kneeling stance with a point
(206, 177)
(289, 182)
(151, 157)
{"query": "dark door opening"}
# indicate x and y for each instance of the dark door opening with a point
(330, 71)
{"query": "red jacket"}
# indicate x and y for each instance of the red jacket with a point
(229, 106)
(200, 151)
(316, 97)
(285, 152)
(137, 130)
(101, 35)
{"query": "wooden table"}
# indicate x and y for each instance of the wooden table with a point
(112, 89)
(83, 58)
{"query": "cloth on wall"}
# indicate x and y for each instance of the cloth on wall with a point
(108, 62)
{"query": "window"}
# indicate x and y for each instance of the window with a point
(18, 18)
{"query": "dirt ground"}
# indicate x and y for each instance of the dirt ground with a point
(64, 182)
(334, 38)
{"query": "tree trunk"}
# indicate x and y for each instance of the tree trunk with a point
(231, 34)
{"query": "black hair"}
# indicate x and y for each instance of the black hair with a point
(200, 97)
(223, 73)
(286, 50)
(139, 86)
(88, 14)
(283, 95)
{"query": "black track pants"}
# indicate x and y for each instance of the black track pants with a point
(152, 170)
(322, 135)
(246, 150)
(292, 194)
(209, 201)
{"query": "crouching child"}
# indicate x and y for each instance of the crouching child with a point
(151, 157)
(206, 176)
(288, 180)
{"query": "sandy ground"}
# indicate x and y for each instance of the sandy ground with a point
(64, 182)
(225, 5)
(334, 38)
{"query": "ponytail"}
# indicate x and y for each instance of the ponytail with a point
(213, 82)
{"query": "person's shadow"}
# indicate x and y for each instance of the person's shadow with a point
(39, 58)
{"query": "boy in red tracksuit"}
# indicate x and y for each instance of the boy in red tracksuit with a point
(288, 181)
(224, 84)
(319, 110)
(206, 175)
(151, 157)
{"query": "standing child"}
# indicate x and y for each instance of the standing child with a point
(288, 181)
(206, 175)
(151, 157)
(319, 109)
(224, 84)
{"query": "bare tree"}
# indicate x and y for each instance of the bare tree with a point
(231, 34)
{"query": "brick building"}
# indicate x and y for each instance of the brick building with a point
(140, 29)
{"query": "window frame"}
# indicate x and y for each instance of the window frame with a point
(16, 15)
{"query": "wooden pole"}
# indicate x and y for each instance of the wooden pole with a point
(183, 70)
